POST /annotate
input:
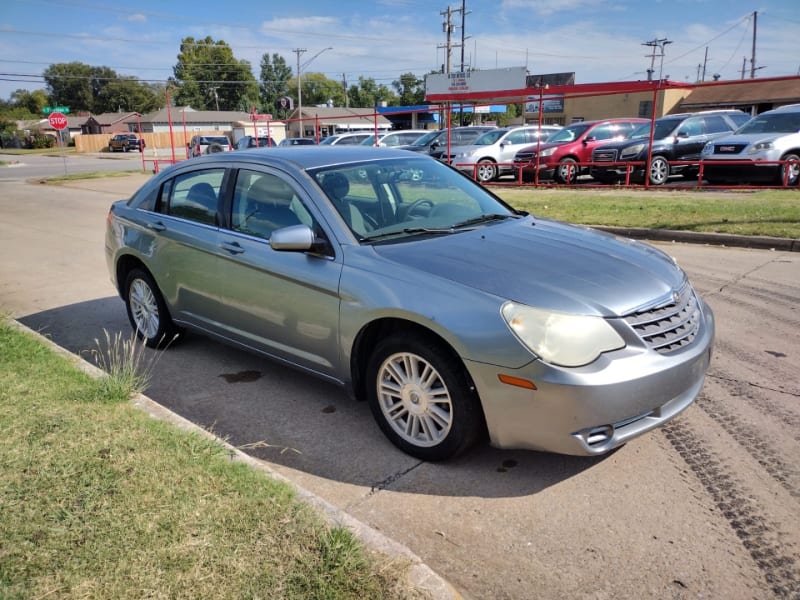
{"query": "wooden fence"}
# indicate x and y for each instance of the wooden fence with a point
(98, 142)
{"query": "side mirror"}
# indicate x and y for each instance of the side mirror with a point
(297, 238)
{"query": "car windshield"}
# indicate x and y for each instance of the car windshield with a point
(490, 137)
(369, 141)
(390, 200)
(329, 140)
(427, 138)
(663, 129)
(567, 134)
(215, 140)
(788, 122)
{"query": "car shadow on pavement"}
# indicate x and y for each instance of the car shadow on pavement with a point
(295, 421)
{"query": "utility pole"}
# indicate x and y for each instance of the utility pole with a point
(344, 85)
(447, 27)
(656, 43)
(753, 54)
(705, 62)
(299, 51)
(744, 65)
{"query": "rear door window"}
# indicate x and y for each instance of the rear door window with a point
(194, 196)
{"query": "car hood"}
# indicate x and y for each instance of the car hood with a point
(748, 138)
(546, 264)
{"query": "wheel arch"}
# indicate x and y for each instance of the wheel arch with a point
(125, 264)
(384, 327)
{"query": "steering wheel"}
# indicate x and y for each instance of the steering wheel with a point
(418, 205)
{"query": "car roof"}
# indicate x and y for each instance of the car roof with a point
(306, 156)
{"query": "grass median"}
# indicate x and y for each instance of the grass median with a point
(773, 213)
(99, 500)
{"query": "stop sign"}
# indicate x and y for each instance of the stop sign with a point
(58, 121)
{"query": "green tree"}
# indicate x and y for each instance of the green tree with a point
(368, 93)
(274, 81)
(318, 89)
(410, 89)
(75, 84)
(127, 94)
(208, 76)
(31, 102)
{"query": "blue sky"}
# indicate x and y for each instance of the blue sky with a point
(596, 39)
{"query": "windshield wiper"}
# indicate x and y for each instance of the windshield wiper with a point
(483, 219)
(407, 231)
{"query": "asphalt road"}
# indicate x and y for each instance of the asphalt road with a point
(707, 507)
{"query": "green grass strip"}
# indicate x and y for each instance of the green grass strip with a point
(99, 500)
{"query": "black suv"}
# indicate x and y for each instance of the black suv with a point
(678, 137)
(125, 142)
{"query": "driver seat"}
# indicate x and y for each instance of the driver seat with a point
(337, 187)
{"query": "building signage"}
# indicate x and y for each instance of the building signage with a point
(469, 82)
(551, 104)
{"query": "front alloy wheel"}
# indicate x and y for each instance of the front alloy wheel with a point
(420, 398)
(567, 171)
(486, 170)
(659, 170)
(793, 175)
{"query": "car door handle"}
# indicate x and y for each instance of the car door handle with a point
(157, 226)
(232, 247)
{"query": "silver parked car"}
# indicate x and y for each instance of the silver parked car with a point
(771, 136)
(408, 284)
(492, 154)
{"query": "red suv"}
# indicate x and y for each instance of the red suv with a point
(560, 158)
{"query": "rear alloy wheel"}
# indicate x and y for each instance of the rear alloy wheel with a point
(659, 170)
(147, 310)
(567, 171)
(421, 399)
(486, 170)
(793, 175)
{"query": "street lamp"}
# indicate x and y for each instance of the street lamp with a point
(299, 51)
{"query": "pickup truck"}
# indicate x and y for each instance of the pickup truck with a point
(125, 142)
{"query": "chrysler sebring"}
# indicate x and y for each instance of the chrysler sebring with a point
(450, 313)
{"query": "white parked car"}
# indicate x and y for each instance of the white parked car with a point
(492, 154)
(395, 138)
(346, 139)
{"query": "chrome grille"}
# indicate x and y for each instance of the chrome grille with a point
(669, 326)
(604, 156)
(525, 156)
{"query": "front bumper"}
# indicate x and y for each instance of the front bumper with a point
(594, 409)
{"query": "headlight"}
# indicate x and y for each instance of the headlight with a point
(708, 149)
(759, 147)
(465, 154)
(631, 151)
(561, 338)
(547, 152)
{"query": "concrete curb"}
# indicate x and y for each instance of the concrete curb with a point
(714, 239)
(420, 575)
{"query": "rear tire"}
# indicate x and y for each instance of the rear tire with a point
(421, 397)
(147, 311)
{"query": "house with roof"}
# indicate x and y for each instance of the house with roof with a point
(325, 121)
(753, 96)
(108, 123)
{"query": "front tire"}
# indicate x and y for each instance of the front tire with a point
(567, 171)
(421, 398)
(794, 169)
(659, 170)
(486, 170)
(147, 310)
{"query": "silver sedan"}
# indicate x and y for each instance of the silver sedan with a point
(393, 275)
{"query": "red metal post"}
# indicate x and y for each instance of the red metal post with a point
(169, 120)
